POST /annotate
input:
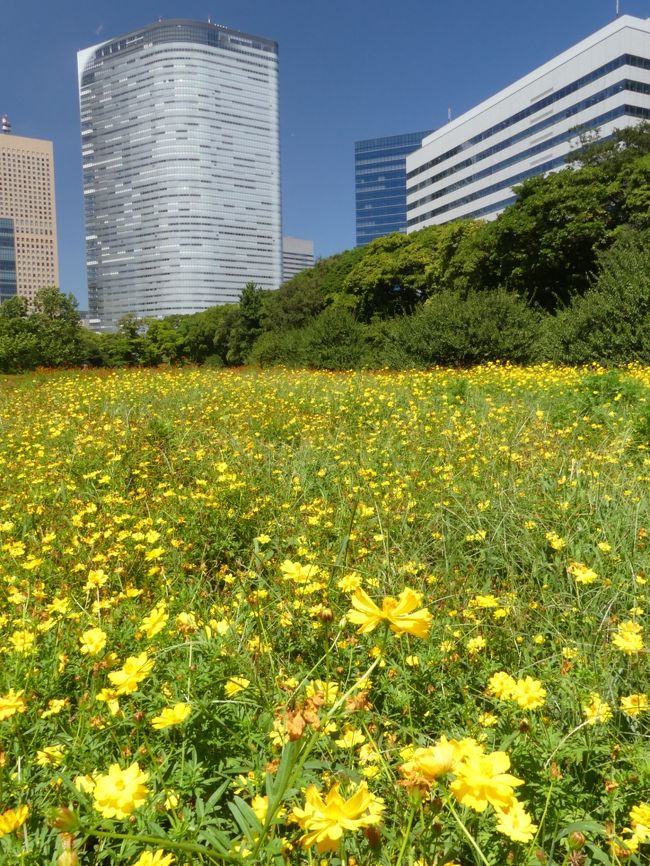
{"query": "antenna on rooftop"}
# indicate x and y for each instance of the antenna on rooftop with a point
(449, 114)
(618, 8)
(6, 125)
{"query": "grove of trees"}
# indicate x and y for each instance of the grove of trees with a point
(563, 275)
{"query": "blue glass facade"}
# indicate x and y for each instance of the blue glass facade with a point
(7, 260)
(380, 184)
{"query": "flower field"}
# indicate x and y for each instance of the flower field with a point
(302, 618)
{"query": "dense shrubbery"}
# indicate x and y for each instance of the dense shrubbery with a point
(563, 274)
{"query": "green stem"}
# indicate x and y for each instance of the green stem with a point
(407, 832)
(167, 844)
(472, 841)
(276, 799)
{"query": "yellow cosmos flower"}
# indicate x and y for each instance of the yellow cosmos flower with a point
(50, 756)
(260, 806)
(640, 819)
(298, 573)
(581, 572)
(484, 601)
(328, 691)
(235, 685)
(555, 541)
(12, 703)
(628, 638)
(399, 613)
(120, 792)
(154, 858)
(54, 707)
(476, 644)
(501, 685)
(109, 697)
(483, 780)
(597, 710)
(634, 705)
(155, 621)
(92, 641)
(133, 671)
(516, 823)
(350, 738)
(175, 715)
(22, 640)
(326, 819)
(426, 764)
(12, 819)
(529, 693)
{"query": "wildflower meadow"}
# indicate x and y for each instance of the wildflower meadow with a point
(290, 617)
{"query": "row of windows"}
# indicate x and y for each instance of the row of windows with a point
(548, 144)
(633, 111)
(407, 139)
(571, 111)
(605, 69)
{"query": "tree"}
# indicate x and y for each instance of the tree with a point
(246, 326)
(56, 324)
(163, 342)
(390, 279)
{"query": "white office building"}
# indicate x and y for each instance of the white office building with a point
(467, 168)
(181, 168)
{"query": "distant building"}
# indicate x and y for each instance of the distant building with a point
(297, 255)
(467, 168)
(28, 243)
(380, 184)
(181, 168)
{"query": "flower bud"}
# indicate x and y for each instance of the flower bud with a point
(577, 840)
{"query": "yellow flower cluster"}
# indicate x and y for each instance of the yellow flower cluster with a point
(528, 692)
(480, 780)
(325, 819)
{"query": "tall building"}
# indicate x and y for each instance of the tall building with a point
(468, 167)
(380, 184)
(181, 168)
(28, 243)
(297, 255)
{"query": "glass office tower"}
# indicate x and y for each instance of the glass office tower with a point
(380, 184)
(181, 168)
(7, 259)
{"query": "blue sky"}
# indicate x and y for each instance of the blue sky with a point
(349, 69)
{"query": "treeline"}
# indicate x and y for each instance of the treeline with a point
(563, 275)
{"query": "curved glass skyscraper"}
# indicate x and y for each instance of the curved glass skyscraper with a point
(181, 168)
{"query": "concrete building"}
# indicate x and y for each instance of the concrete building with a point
(297, 255)
(467, 168)
(380, 184)
(181, 168)
(28, 242)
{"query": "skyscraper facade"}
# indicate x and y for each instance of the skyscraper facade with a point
(181, 168)
(297, 255)
(28, 242)
(467, 169)
(380, 184)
